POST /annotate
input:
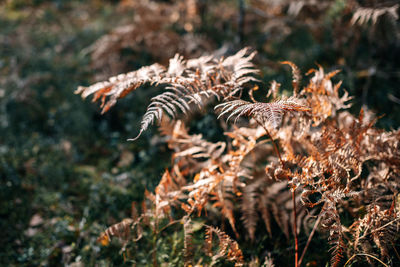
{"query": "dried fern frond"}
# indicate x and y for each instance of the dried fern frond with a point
(238, 69)
(273, 89)
(365, 14)
(296, 76)
(227, 247)
(188, 82)
(323, 95)
(218, 80)
(121, 85)
(249, 209)
(216, 172)
(191, 151)
(331, 220)
(267, 112)
(154, 29)
(380, 225)
(121, 230)
(325, 164)
(188, 249)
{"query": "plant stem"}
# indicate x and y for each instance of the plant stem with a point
(309, 238)
(273, 143)
(367, 255)
(155, 236)
(241, 21)
(296, 242)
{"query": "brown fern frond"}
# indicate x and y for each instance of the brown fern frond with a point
(227, 247)
(365, 14)
(238, 69)
(191, 152)
(188, 241)
(178, 99)
(296, 76)
(331, 220)
(329, 157)
(147, 33)
(273, 89)
(379, 226)
(223, 201)
(267, 112)
(338, 250)
(323, 95)
(188, 82)
(249, 209)
(121, 230)
(119, 86)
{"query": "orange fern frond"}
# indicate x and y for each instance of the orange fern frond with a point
(273, 89)
(296, 76)
(119, 86)
(188, 241)
(120, 230)
(227, 247)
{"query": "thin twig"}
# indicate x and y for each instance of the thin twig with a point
(309, 238)
(241, 21)
(296, 242)
(273, 143)
(155, 237)
(380, 228)
(383, 226)
(168, 225)
(363, 254)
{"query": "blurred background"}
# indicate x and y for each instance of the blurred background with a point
(67, 172)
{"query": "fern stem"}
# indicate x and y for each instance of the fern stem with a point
(296, 241)
(155, 236)
(169, 224)
(364, 254)
(309, 238)
(273, 144)
(241, 21)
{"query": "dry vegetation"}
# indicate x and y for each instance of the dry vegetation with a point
(301, 161)
(256, 162)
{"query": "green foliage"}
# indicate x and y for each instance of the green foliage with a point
(59, 160)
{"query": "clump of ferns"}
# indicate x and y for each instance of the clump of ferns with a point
(320, 152)
(157, 218)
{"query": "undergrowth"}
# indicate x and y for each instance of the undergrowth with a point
(67, 173)
(302, 161)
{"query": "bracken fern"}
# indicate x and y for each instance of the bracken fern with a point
(321, 153)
